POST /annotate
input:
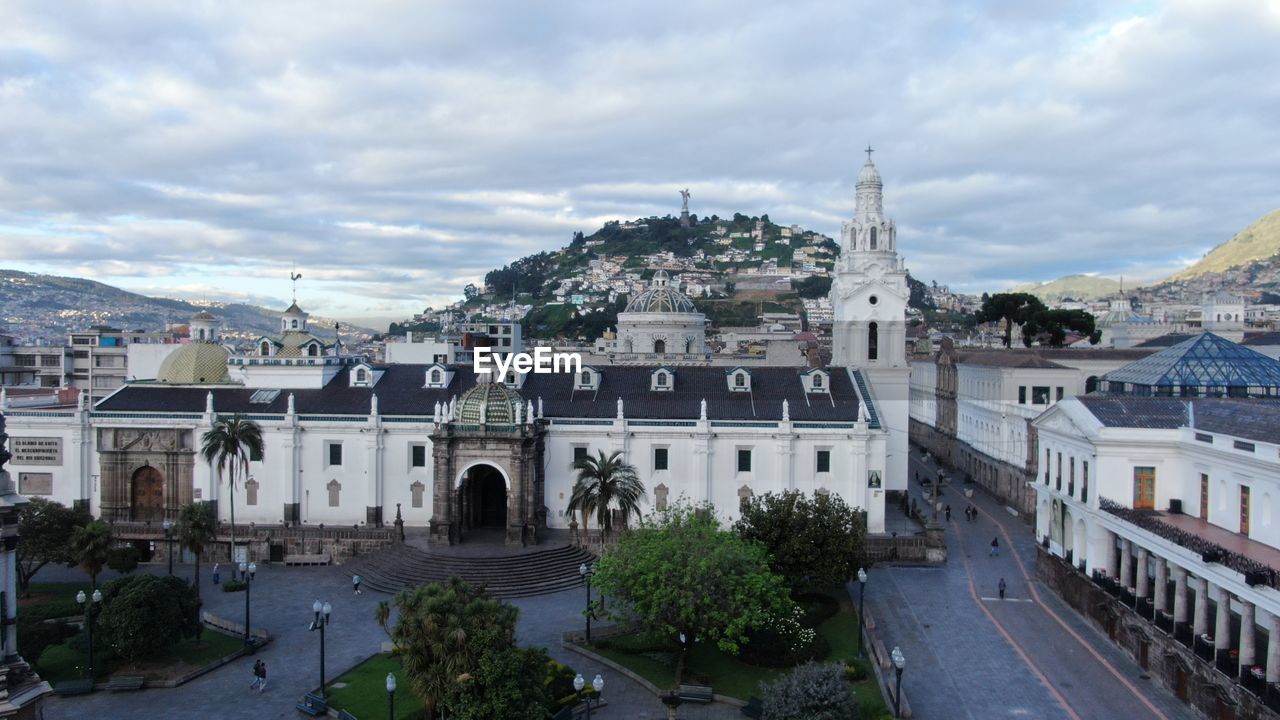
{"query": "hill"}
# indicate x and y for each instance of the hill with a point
(1258, 242)
(48, 307)
(1079, 287)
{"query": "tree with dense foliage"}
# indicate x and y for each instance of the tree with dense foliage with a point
(813, 691)
(679, 573)
(603, 484)
(91, 548)
(228, 445)
(196, 531)
(813, 286)
(45, 527)
(1011, 309)
(441, 631)
(506, 682)
(816, 543)
(1051, 327)
(123, 559)
(144, 614)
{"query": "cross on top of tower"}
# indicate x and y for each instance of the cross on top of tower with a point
(868, 151)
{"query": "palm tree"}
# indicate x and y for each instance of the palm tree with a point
(90, 546)
(195, 531)
(229, 444)
(605, 482)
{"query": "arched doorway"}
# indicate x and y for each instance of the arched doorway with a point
(483, 497)
(147, 494)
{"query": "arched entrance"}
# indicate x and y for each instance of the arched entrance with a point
(147, 494)
(483, 497)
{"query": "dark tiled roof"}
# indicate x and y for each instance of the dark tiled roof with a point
(1266, 338)
(400, 391)
(1248, 418)
(1007, 358)
(1164, 341)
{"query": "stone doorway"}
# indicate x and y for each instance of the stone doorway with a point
(483, 496)
(147, 494)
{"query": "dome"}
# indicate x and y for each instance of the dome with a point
(195, 363)
(869, 174)
(203, 315)
(660, 298)
(495, 402)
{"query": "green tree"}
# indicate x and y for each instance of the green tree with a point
(441, 630)
(813, 691)
(1051, 327)
(815, 543)
(603, 484)
(195, 531)
(45, 528)
(91, 548)
(144, 614)
(229, 444)
(681, 574)
(123, 559)
(1010, 308)
(505, 682)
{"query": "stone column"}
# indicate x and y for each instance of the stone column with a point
(1273, 650)
(1201, 625)
(1162, 585)
(1222, 627)
(1247, 656)
(1126, 563)
(1179, 594)
(1143, 582)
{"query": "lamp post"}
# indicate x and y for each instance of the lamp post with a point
(168, 539)
(90, 610)
(597, 684)
(586, 572)
(321, 611)
(899, 662)
(248, 572)
(391, 696)
(862, 604)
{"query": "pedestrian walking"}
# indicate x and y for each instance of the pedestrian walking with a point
(257, 675)
(1002, 587)
(355, 584)
(262, 676)
(995, 546)
(216, 577)
(948, 511)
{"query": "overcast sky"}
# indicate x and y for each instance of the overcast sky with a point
(397, 152)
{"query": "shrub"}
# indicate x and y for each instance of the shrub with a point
(234, 586)
(784, 641)
(810, 692)
(34, 635)
(123, 559)
(144, 614)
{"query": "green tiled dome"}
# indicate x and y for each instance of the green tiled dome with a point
(498, 401)
(195, 363)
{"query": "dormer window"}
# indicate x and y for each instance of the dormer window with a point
(313, 350)
(816, 381)
(585, 378)
(739, 380)
(588, 379)
(362, 375)
(437, 377)
(265, 349)
(662, 380)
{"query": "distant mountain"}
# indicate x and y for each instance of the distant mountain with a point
(1260, 241)
(1079, 287)
(48, 307)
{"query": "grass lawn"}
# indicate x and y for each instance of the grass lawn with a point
(364, 691)
(730, 676)
(60, 663)
(52, 600)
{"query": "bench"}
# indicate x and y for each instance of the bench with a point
(695, 693)
(125, 682)
(313, 705)
(74, 687)
(300, 559)
(344, 715)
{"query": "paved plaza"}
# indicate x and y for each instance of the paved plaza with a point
(971, 655)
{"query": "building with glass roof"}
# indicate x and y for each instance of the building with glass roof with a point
(1206, 365)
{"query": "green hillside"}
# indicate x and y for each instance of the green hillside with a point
(1078, 287)
(1259, 241)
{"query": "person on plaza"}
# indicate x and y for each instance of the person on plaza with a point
(216, 577)
(355, 584)
(948, 511)
(1002, 587)
(995, 546)
(257, 675)
(262, 676)
(968, 513)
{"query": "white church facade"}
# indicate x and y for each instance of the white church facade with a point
(350, 443)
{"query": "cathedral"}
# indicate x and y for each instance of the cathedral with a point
(353, 443)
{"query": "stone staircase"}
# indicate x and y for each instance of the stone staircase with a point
(520, 574)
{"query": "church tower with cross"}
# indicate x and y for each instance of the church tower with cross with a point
(869, 299)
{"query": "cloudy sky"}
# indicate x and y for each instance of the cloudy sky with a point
(396, 152)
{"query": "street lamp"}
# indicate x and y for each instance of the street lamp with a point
(862, 604)
(587, 572)
(391, 696)
(321, 611)
(597, 684)
(90, 610)
(168, 538)
(899, 662)
(248, 572)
